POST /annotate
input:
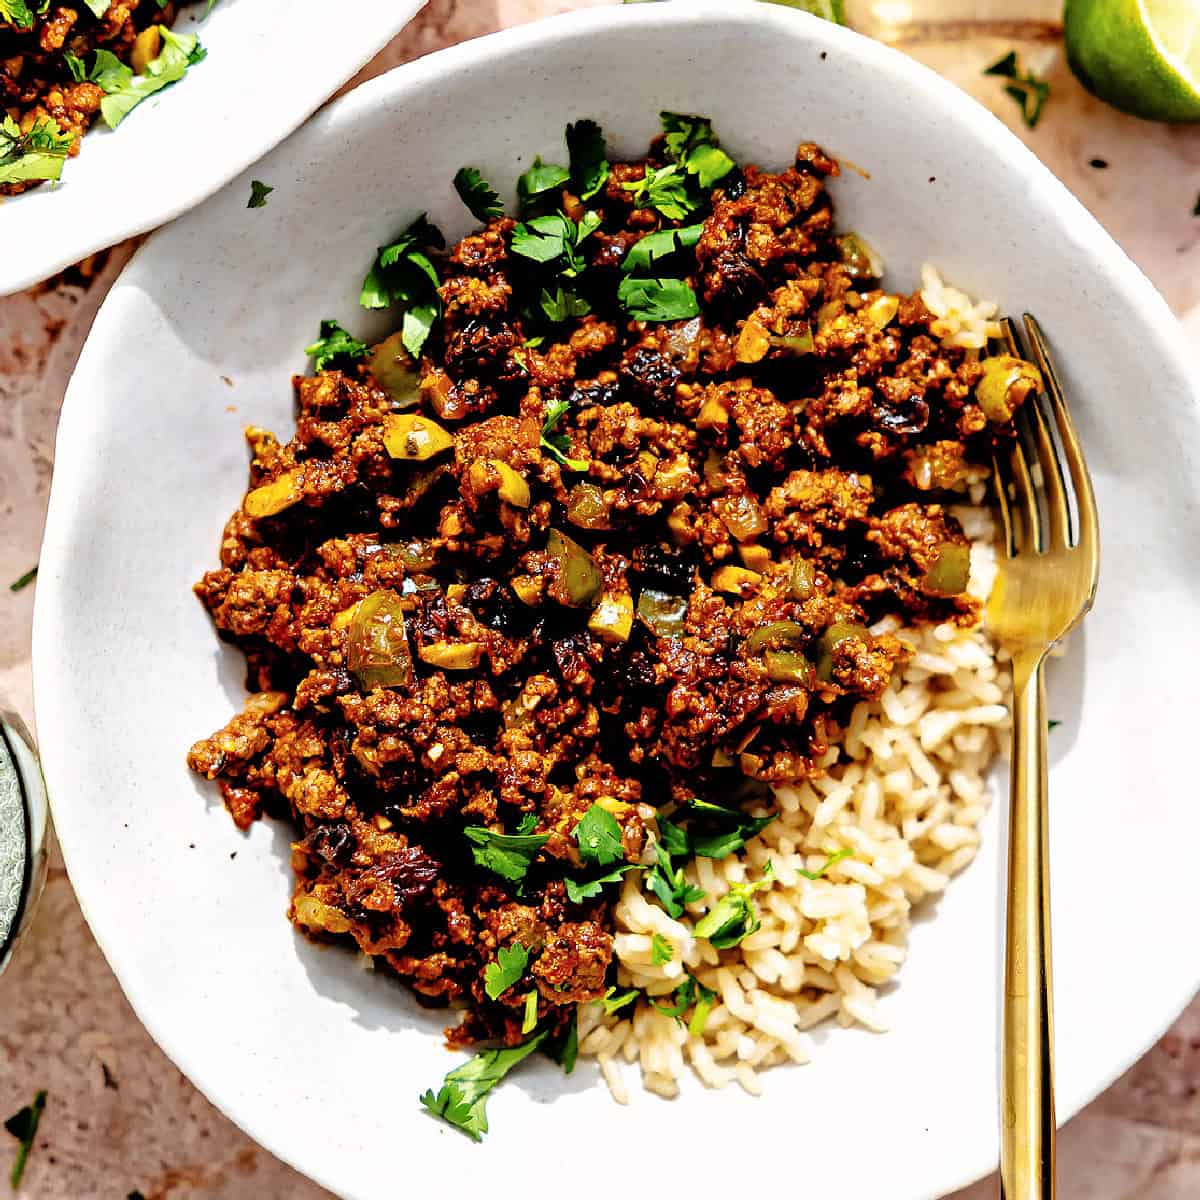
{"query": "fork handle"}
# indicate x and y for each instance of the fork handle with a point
(1027, 1083)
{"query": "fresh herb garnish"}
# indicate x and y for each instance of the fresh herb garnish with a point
(477, 194)
(554, 442)
(529, 1022)
(402, 274)
(24, 581)
(1030, 92)
(508, 968)
(645, 255)
(23, 1126)
(100, 7)
(125, 90)
(589, 166)
(598, 837)
(563, 305)
(335, 348)
(259, 192)
(829, 862)
(534, 186)
(505, 854)
(663, 188)
(667, 882)
(690, 992)
(661, 950)
(18, 14)
(734, 916)
(690, 142)
(462, 1099)
(613, 1001)
(657, 299)
(564, 1048)
(1052, 724)
(34, 156)
(579, 890)
(723, 841)
(554, 238)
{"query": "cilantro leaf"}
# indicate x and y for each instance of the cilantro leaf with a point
(23, 1126)
(100, 7)
(259, 192)
(24, 581)
(1030, 92)
(76, 66)
(18, 14)
(833, 858)
(505, 854)
(725, 841)
(1052, 724)
(529, 1021)
(508, 968)
(125, 90)
(527, 824)
(534, 186)
(462, 1099)
(690, 142)
(734, 916)
(557, 444)
(403, 275)
(589, 166)
(645, 254)
(563, 305)
(599, 837)
(691, 992)
(661, 950)
(667, 882)
(477, 194)
(335, 348)
(579, 890)
(665, 189)
(35, 155)
(564, 1048)
(613, 1001)
(657, 299)
(554, 238)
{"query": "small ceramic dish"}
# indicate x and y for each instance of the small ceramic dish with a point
(270, 64)
(322, 1062)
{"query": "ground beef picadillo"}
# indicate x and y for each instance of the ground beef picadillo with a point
(447, 625)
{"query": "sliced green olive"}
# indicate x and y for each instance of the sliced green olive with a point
(493, 475)
(742, 517)
(802, 581)
(413, 437)
(947, 575)
(777, 634)
(793, 343)
(377, 650)
(395, 372)
(788, 666)
(578, 572)
(665, 614)
(831, 639)
(883, 310)
(1005, 383)
(416, 555)
(274, 497)
(451, 656)
(586, 507)
(859, 257)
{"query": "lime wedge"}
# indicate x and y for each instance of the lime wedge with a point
(1141, 56)
(831, 10)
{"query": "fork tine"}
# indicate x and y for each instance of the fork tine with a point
(1027, 521)
(1000, 484)
(1085, 497)
(1053, 483)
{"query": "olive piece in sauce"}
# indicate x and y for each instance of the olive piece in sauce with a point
(802, 580)
(665, 614)
(788, 666)
(414, 438)
(394, 371)
(831, 639)
(377, 650)
(586, 507)
(947, 575)
(580, 576)
(787, 634)
(1004, 385)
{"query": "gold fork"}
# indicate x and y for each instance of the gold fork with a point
(1046, 583)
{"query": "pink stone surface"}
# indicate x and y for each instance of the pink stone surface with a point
(120, 1117)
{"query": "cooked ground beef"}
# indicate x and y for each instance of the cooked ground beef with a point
(589, 562)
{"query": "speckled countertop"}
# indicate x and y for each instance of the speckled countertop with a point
(120, 1117)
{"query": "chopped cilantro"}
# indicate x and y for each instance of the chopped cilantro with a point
(833, 858)
(690, 142)
(644, 255)
(462, 1099)
(100, 7)
(554, 238)
(335, 348)
(613, 1001)
(1030, 92)
(667, 882)
(23, 1126)
(657, 299)
(665, 189)
(505, 854)
(691, 992)
(724, 841)
(556, 443)
(563, 305)
(19, 15)
(259, 192)
(531, 1014)
(536, 184)
(733, 917)
(661, 950)
(124, 90)
(477, 194)
(76, 66)
(599, 837)
(528, 823)
(589, 166)
(508, 968)
(1052, 724)
(37, 154)
(24, 581)
(579, 890)
(564, 1048)
(402, 274)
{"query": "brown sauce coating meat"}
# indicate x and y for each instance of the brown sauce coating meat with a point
(677, 599)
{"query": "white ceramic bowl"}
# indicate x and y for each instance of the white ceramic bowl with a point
(270, 64)
(322, 1062)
